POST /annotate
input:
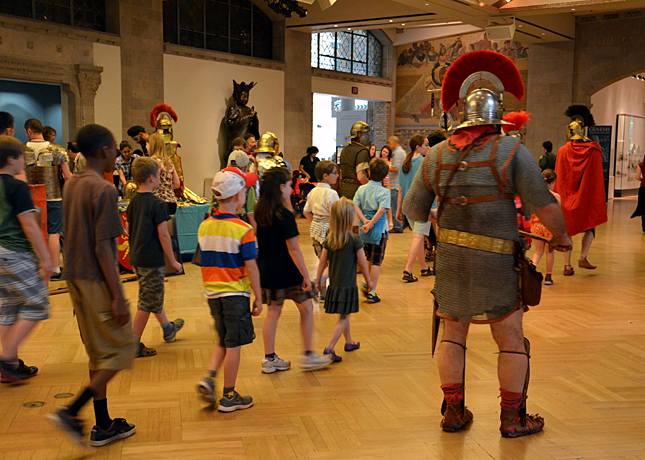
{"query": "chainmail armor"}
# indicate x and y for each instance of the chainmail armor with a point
(473, 285)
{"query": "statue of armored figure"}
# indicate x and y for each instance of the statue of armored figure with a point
(240, 119)
(161, 118)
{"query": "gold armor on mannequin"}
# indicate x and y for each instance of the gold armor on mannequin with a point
(161, 118)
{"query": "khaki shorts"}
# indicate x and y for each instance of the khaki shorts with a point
(108, 345)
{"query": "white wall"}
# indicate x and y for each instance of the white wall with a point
(107, 104)
(198, 91)
(627, 97)
(344, 88)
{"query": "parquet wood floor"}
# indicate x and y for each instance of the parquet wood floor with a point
(382, 401)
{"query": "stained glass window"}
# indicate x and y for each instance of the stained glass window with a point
(88, 14)
(231, 26)
(357, 52)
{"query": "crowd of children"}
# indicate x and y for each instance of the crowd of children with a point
(249, 256)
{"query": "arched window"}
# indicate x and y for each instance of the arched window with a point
(357, 52)
(231, 26)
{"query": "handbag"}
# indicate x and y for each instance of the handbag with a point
(530, 278)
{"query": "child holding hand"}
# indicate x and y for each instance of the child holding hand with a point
(371, 202)
(343, 250)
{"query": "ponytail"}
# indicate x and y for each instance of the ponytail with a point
(415, 142)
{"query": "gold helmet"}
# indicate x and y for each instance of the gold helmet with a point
(358, 128)
(268, 143)
(129, 189)
(581, 118)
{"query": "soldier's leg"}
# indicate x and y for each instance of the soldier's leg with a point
(511, 367)
(513, 373)
(452, 355)
(587, 239)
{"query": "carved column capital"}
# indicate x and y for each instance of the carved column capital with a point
(89, 80)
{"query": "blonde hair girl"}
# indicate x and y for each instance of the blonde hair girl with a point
(168, 177)
(344, 251)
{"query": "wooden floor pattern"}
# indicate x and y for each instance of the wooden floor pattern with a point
(382, 401)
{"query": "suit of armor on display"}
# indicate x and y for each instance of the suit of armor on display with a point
(161, 118)
(240, 119)
(266, 156)
(44, 168)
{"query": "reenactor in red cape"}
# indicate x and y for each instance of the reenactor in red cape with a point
(580, 184)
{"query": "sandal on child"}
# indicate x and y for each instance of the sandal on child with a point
(427, 272)
(144, 352)
(409, 277)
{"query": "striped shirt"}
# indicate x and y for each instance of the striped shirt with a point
(226, 242)
(397, 160)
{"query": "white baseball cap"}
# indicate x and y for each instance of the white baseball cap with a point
(229, 181)
(238, 158)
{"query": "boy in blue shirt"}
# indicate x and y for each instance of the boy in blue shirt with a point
(372, 201)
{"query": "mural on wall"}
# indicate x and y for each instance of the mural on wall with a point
(421, 67)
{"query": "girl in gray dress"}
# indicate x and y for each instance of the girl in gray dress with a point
(343, 250)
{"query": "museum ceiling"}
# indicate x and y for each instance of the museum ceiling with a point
(406, 21)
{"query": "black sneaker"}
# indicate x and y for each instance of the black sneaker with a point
(373, 298)
(71, 425)
(10, 374)
(120, 429)
(236, 402)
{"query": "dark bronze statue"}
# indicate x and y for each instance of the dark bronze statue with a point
(240, 119)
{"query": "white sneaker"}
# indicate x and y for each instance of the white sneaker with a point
(315, 361)
(278, 364)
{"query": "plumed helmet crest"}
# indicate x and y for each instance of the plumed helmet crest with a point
(480, 61)
(517, 120)
(158, 110)
(580, 113)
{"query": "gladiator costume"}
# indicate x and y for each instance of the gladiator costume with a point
(475, 176)
(580, 180)
(352, 155)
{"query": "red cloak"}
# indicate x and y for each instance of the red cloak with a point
(581, 186)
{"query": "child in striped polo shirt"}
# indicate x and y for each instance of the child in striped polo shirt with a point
(230, 272)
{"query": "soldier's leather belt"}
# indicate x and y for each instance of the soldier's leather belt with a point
(479, 242)
(463, 200)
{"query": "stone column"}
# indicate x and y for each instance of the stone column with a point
(381, 123)
(548, 94)
(89, 79)
(298, 96)
(141, 27)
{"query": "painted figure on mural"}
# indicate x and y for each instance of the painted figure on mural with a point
(240, 119)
